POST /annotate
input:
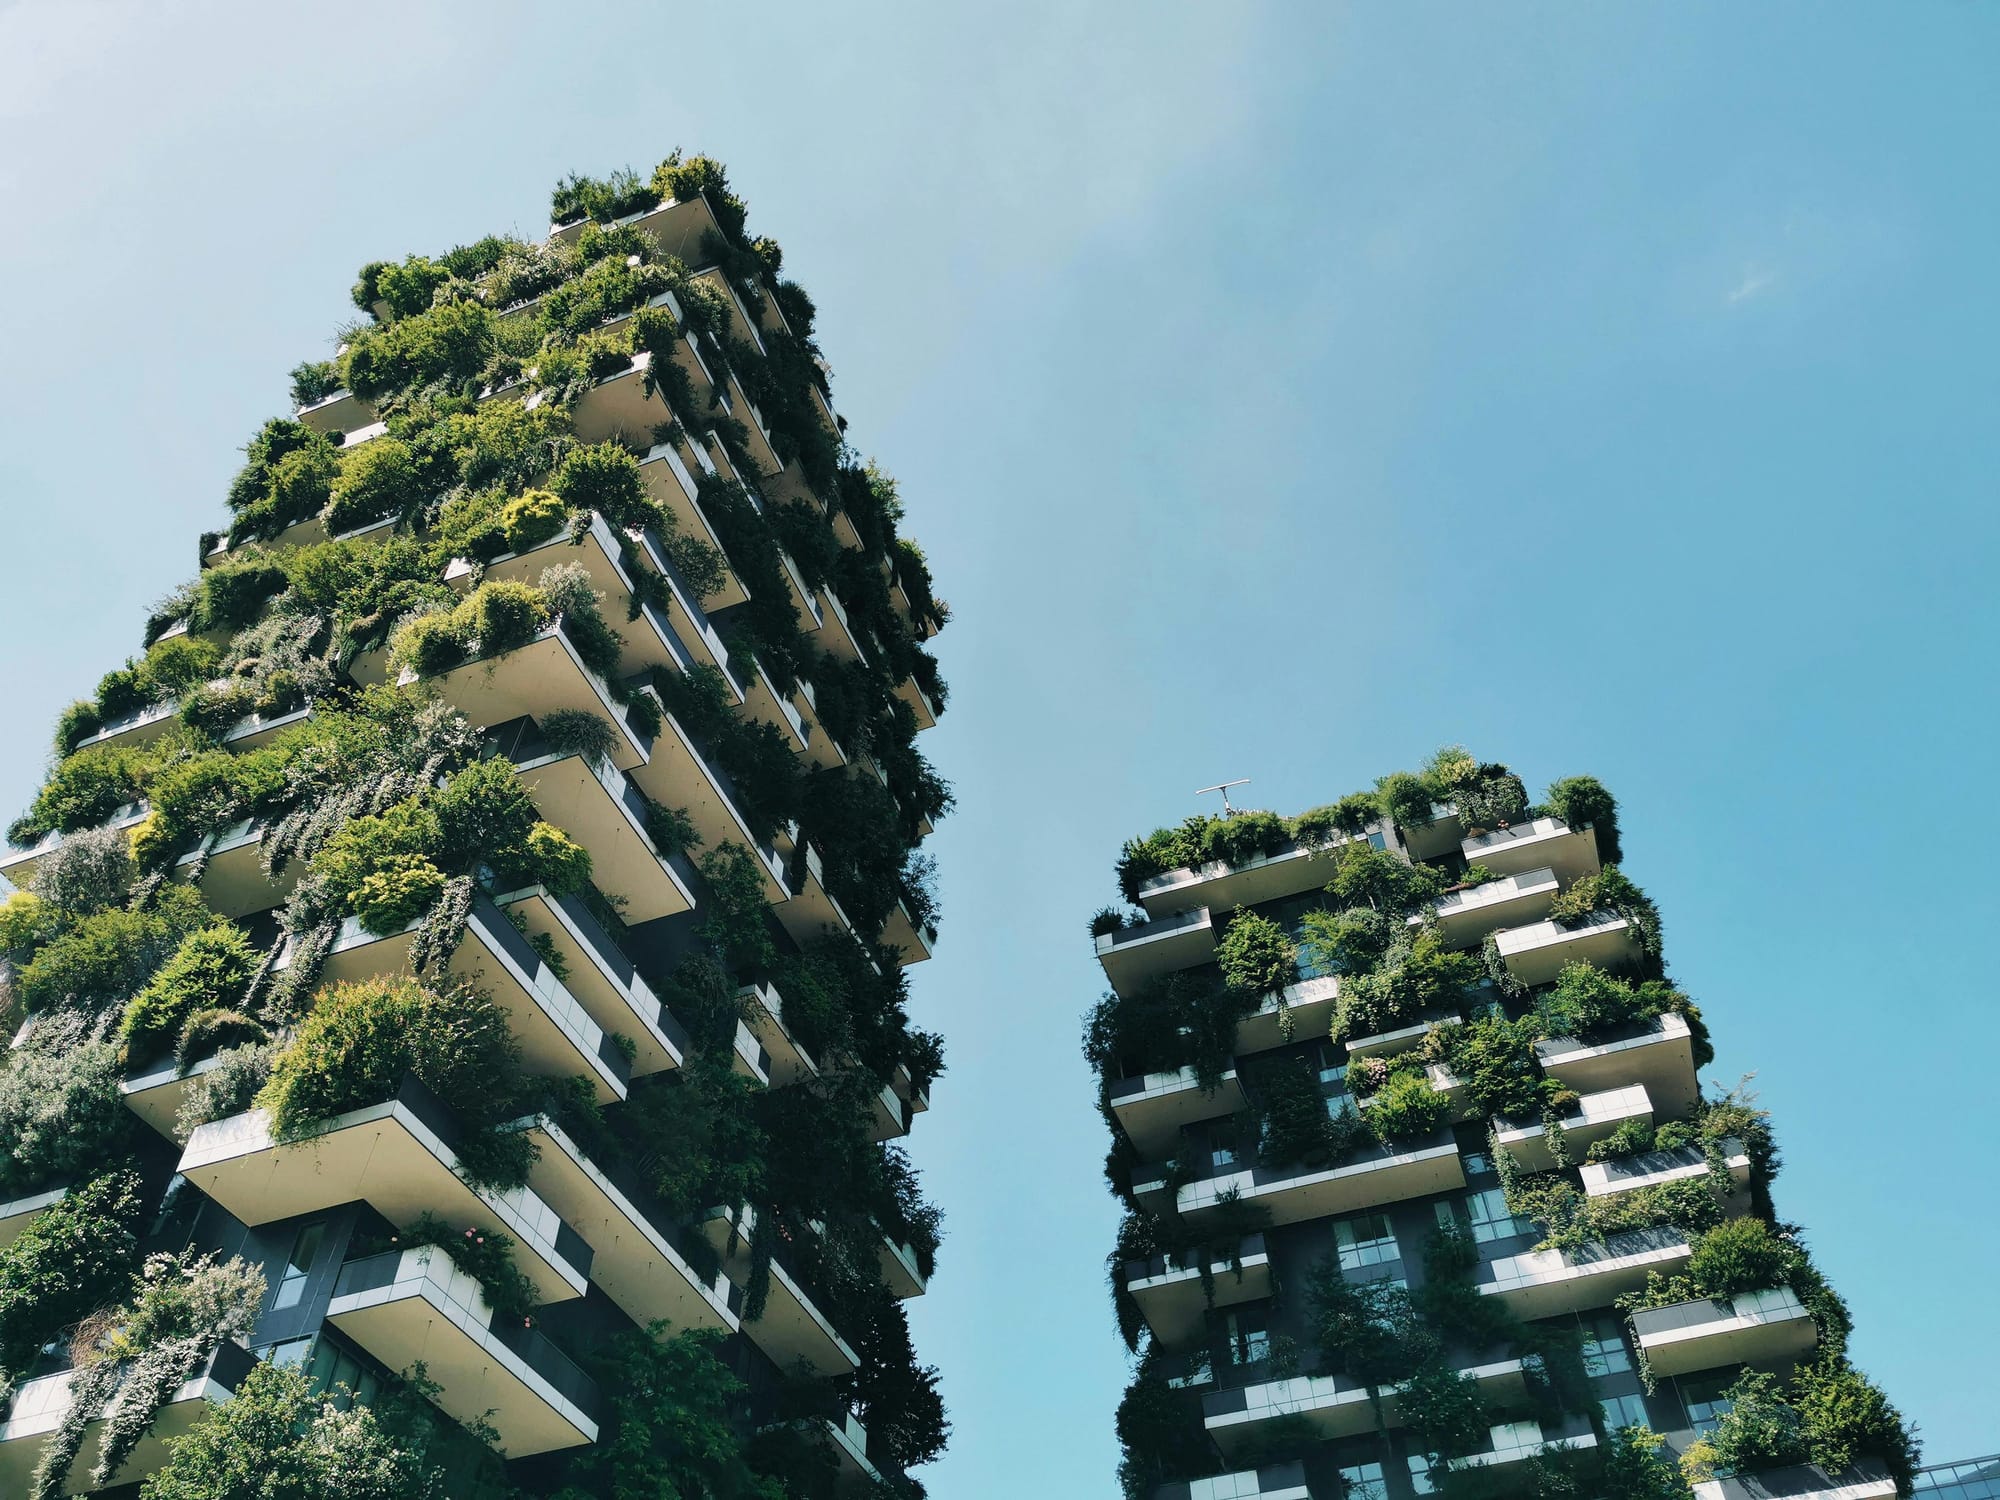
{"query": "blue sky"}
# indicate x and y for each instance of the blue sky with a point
(1279, 392)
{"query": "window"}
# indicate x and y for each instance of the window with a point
(1705, 1402)
(1420, 1474)
(1624, 1411)
(1490, 1219)
(1478, 1164)
(180, 1210)
(298, 1265)
(1604, 1350)
(1364, 1482)
(1248, 1339)
(1365, 1240)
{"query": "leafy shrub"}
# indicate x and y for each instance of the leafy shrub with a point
(296, 1440)
(60, 1110)
(1585, 999)
(605, 478)
(108, 955)
(175, 666)
(442, 346)
(1582, 801)
(1760, 1430)
(384, 841)
(671, 829)
(1107, 920)
(377, 480)
(1366, 876)
(85, 873)
(530, 519)
(312, 382)
(1444, 1411)
(360, 1040)
(1494, 1059)
(558, 861)
(1843, 1416)
(578, 731)
(217, 1029)
(76, 723)
(1350, 816)
(211, 968)
(579, 197)
(71, 1259)
(1405, 798)
(1407, 1109)
(26, 922)
(1416, 978)
(1740, 1255)
(1256, 955)
(397, 892)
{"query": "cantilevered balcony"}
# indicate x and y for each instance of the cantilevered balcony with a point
(340, 411)
(401, 1157)
(645, 637)
(1658, 1054)
(557, 1035)
(18, 864)
(701, 641)
(141, 726)
(669, 484)
(835, 633)
(1540, 843)
(1152, 1107)
(1513, 1442)
(228, 868)
(1767, 1329)
(1543, 1283)
(1595, 1117)
(1866, 1480)
(40, 1406)
(677, 227)
(533, 681)
(1376, 1175)
(1651, 1168)
(1398, 1040)
(603, 980)
(1292, 871)
(792, 1330)
(598, 806)
(155, 1091)
(919, 702)
(417, 1306)
(634, 1239)
(1466, 917)
(810, 911)
(1538, 952)
(17, 1213)
(1237, 1420)
(914, 941)
(1427, 840)
(1300, 1010)
(1134, 955)
(900, 1270)
(764, 1011)
(1170, 1293)
(681, 774)
(1286, 1481)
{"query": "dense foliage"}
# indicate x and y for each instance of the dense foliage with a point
(293, 698)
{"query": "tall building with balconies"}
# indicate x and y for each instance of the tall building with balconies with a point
(1423, 1195)
(461, 960)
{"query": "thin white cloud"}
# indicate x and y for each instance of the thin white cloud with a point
(1756, 281)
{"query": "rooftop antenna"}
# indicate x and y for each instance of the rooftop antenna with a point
(1223, 787)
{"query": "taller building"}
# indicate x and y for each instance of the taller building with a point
(467, 944)
(1422, 1194)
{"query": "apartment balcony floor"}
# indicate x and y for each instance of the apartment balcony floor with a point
(18, 1213)
(632, 1237)
(1136, 955)
(39, 1407)
(1596, 1116)
(1294, 1194)
(1171, 1297)
(1153, 1107)
(1540, 843)
(417, 1306)
(792, 1330)
(1544, 1283)
(1538, 953)
(398, 1156)
(1766, 1329)
(1659, 1056)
